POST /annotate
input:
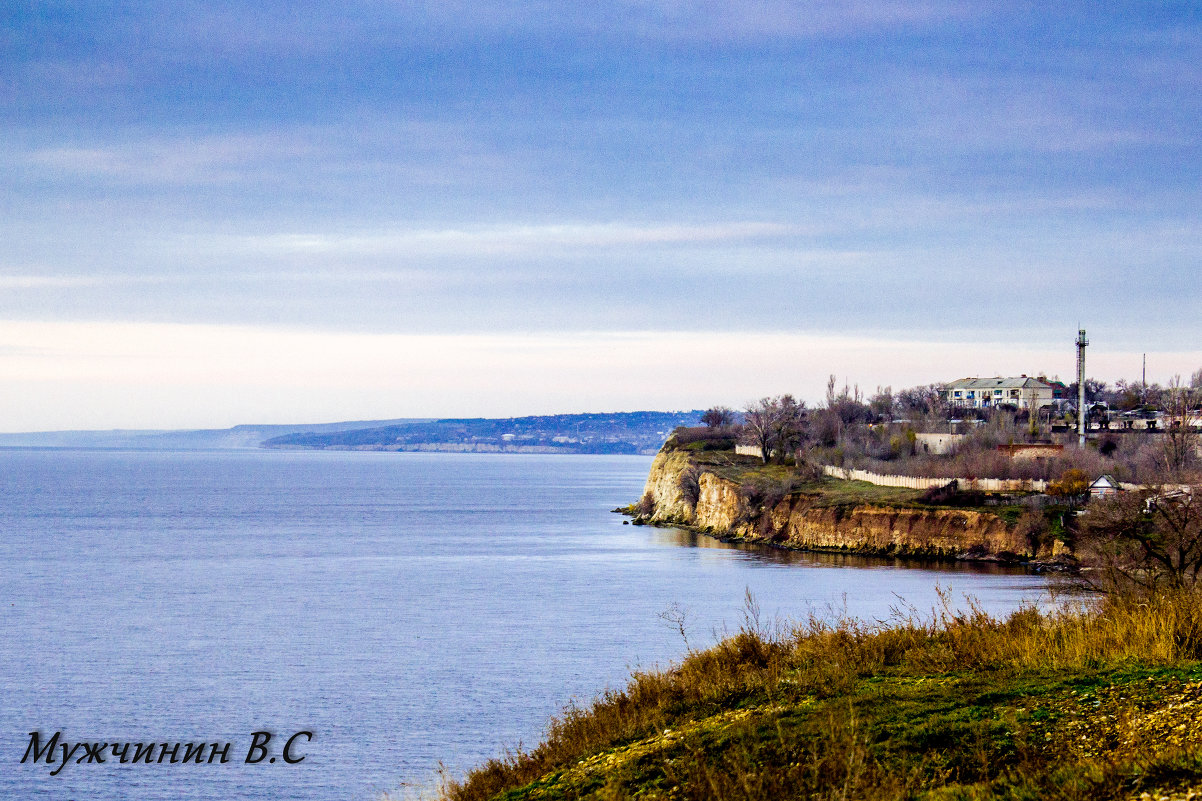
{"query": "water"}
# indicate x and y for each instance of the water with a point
(405, 608)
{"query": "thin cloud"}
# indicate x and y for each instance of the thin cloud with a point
(725, 20)
(709, 20)
(514, 239)
(18, 282)
(48, 281)
(212, 159)
(360, 148)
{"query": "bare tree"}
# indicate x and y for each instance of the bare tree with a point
(1095, 390)
(1126, 395)
(848, 403)
(926, 399)
(1144, 540)
(718, 416)
(839, 410)
(758, 421)
(882, 403)
(775, 425)
(1179, 440)
(789, 426)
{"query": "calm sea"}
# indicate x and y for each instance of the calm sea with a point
(406, 609)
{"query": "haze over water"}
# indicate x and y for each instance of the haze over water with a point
(406, 608)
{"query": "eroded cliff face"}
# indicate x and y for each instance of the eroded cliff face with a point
(719, 505)
(884, 529)
(802, 521)
(663, 484)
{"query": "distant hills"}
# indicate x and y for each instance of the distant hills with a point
(236, 438)
(617, 432)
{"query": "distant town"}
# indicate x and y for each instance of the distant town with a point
(998, 427)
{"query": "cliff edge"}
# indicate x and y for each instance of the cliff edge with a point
(735, 497)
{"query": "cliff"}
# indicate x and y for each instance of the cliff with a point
(809, 519)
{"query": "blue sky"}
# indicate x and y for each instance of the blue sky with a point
(388, 183)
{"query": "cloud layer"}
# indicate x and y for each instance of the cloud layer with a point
(921, 171)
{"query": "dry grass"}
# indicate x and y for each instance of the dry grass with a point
(850, 710)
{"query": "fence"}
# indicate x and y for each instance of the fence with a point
(914, 482)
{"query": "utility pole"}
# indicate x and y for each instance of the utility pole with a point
(1081, 343)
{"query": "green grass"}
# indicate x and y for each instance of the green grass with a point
(1078, 704)
(826, 491)
(1009, 513)
(834, 492)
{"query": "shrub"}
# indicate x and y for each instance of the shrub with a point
(760, 496)
(701, 438)
(690, 485)
(1072, 483)
(718, 417)
(1033, 524)
(951, 495)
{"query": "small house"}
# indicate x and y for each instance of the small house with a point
(1104, 487)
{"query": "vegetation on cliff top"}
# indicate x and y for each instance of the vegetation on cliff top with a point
(747, 470)
(771, 502)
(1075, 704)
(793, 477)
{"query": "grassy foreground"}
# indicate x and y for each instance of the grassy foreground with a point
(1081, 703)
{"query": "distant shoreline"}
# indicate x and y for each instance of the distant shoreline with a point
(438, 447)
(635, 433)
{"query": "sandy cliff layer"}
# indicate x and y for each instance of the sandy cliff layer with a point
(803, 521)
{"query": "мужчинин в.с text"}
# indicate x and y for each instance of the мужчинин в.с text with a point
(58, 752)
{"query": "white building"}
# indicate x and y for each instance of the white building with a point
(1022, 392)
(938, 444)
(1104, 487)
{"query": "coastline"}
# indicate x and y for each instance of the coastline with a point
(737, 499)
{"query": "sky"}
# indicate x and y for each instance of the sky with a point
(229, 212)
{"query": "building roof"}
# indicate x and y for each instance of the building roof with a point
(1103, 482)
(997, 382)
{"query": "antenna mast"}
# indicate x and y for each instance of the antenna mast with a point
(1081, 343)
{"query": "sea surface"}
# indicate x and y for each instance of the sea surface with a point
(406, 609)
